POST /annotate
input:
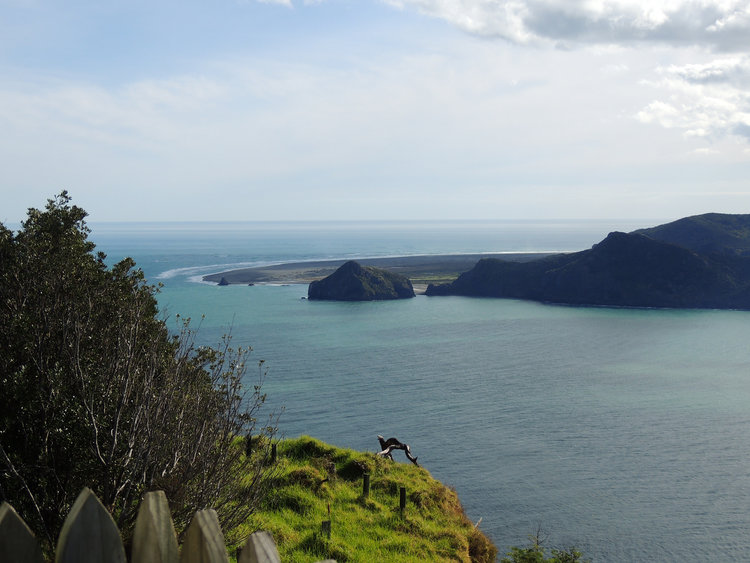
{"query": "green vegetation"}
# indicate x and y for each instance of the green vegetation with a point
(314, 476)
(97, 393)
(535, 553)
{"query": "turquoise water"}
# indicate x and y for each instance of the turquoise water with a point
(623, 432)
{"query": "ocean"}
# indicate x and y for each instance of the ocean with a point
(623, 432)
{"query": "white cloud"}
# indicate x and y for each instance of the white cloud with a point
(465, 118)
(734, 71)
(142, 114)
(287, 125)
(287, 3)
(706, 100)
(722, 24)
(709, 100)
(614, 69)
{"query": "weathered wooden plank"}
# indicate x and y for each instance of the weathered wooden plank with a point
(154, 539)
(260, 548)
(17, 542)
(204, 542)
(89, 535)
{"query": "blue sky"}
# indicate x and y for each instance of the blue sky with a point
(388, 109)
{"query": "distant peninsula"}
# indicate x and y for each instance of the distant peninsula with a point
(421, 270)
(696, 262)
(702, 261)
(354, 282)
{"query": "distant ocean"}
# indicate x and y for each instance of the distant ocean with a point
(623, 432)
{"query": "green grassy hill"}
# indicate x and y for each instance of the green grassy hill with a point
(314, 476)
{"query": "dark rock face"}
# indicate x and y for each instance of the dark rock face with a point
(631, 270)
(354, 282)
(720, 233)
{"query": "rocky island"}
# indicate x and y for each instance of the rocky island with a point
(696, 262)
(354, 282)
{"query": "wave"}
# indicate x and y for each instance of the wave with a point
(196, 271)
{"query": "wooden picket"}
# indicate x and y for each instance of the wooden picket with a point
(259, 548)
(204, 542)
(154, 538)
(89, 535)
(17, 543)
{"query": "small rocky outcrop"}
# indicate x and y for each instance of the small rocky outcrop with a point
(354, 282)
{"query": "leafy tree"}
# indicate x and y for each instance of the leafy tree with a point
(96, 392)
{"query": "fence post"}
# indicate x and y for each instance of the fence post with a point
(204, 542)
(273, 453)
(325, 527)
(17, 542)
(402, 500)
(89, 534)
(366, 485)
(154, 539)
(259, 548)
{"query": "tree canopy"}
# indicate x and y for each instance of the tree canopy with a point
(97, 392)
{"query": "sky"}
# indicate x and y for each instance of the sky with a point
(188, 110)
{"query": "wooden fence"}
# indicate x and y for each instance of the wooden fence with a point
(90, 535)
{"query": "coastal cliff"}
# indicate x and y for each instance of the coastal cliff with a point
(703, 263)
(354, 282)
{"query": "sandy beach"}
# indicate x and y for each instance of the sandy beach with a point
(421, 270)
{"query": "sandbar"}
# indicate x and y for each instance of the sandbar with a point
(421, 270)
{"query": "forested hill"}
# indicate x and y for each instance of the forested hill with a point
(708, 233)
(696, 262)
